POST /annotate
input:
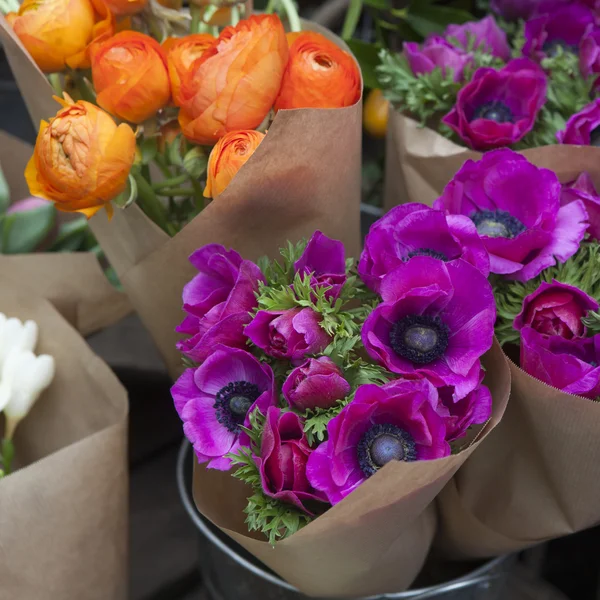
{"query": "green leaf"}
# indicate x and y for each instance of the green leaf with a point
(149, 149)
(434, 17)
(71, 236)
(378, 4)
(367, 56)
(24, 231)
(128, 195)
(352, 18)
(4, 193)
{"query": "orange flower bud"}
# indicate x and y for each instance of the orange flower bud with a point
(168, 133)
(81, 159)
(319, 74)
(54, 30)
(227, 158)
(233, 85)
(123, 8)
(375, 113)
(181, 54)
(130, 76)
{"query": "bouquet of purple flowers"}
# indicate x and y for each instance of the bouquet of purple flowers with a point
(327, 388)
(529, 78)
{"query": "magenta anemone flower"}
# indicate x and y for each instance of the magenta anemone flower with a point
(499, 107)
(485, 35)
(522, 238)
(215, 399)
(569, 365)
(437, 320)
(397, 421)
(437, 53)
(218, 301)
(583, 189)
(412, 230)
(583, 128)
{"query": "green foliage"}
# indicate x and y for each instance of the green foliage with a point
(22, 232)
(315, 421)
(581, 270)
(281, 272)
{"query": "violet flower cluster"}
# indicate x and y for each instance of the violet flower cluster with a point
(501, 91)
(306, 377)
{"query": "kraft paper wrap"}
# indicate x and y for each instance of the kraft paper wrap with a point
(63, 512)
(420, 162)
(304, 176)
(73, 281)
(376, 540)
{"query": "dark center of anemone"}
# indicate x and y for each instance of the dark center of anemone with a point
(233, 402)
(593, 363)
(595, 137)
(553, 47)
(497, 224)
(383, 443)
(419, 338)
(494, 111)
(427, 252)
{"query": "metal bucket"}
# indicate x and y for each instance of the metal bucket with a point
(231, 573)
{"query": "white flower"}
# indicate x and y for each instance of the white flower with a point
(24, 377)
(15, 335)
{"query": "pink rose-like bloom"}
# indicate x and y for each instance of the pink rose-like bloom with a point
(436, 52)
(318, 383)
(555, 309)
(569, 365)
(26, 205)
(498, 108)
(583, 128)
(214, 401)
(217, 301)
(284, 453)
(396, 421)
(486, 35)
(291, 334)
(583, 189)
(564, 27)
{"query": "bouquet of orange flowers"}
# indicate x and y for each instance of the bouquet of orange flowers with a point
(245, 135)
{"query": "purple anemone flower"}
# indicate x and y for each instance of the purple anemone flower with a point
(563, 27)
(217, 301)
(436, 52)
(474, 409)
(485, 35)
(583, 128)
(412, 230)
(318, 383)
(325, 259)
(437, 320)
(583, 189)
(522, 238)
(569, 365)
(282, 462)
(499, 107)
(397, 421)
(291, 334)
(589, 54)
(217, 397)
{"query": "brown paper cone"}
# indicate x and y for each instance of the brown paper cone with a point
(376, 540)
(420, 162)
(63, 513)
(534, 479)
(73, 282)
(304, 176)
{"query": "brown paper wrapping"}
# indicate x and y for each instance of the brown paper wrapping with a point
(304, 176)
(73, 282)
(63, 513)
(534, 478)
(373, 542)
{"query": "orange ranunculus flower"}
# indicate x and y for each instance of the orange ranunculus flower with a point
(54, 30)
(81, 159)
(181, 54)
(124, 8)
(130, 76)
(227, 158)
(319, 74)
(233, 85)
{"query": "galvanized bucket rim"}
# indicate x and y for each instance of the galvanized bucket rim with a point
(455, 584)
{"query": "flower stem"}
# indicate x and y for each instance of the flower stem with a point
(270, 8)
(235, 15)
(196, 13)
(8, 454)
(175, 192)
(159, 159)
(208, 13)
(168, 183)
(292, 15)
(81, 83)
(151, 205)
(54, 79)
(352, 18)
